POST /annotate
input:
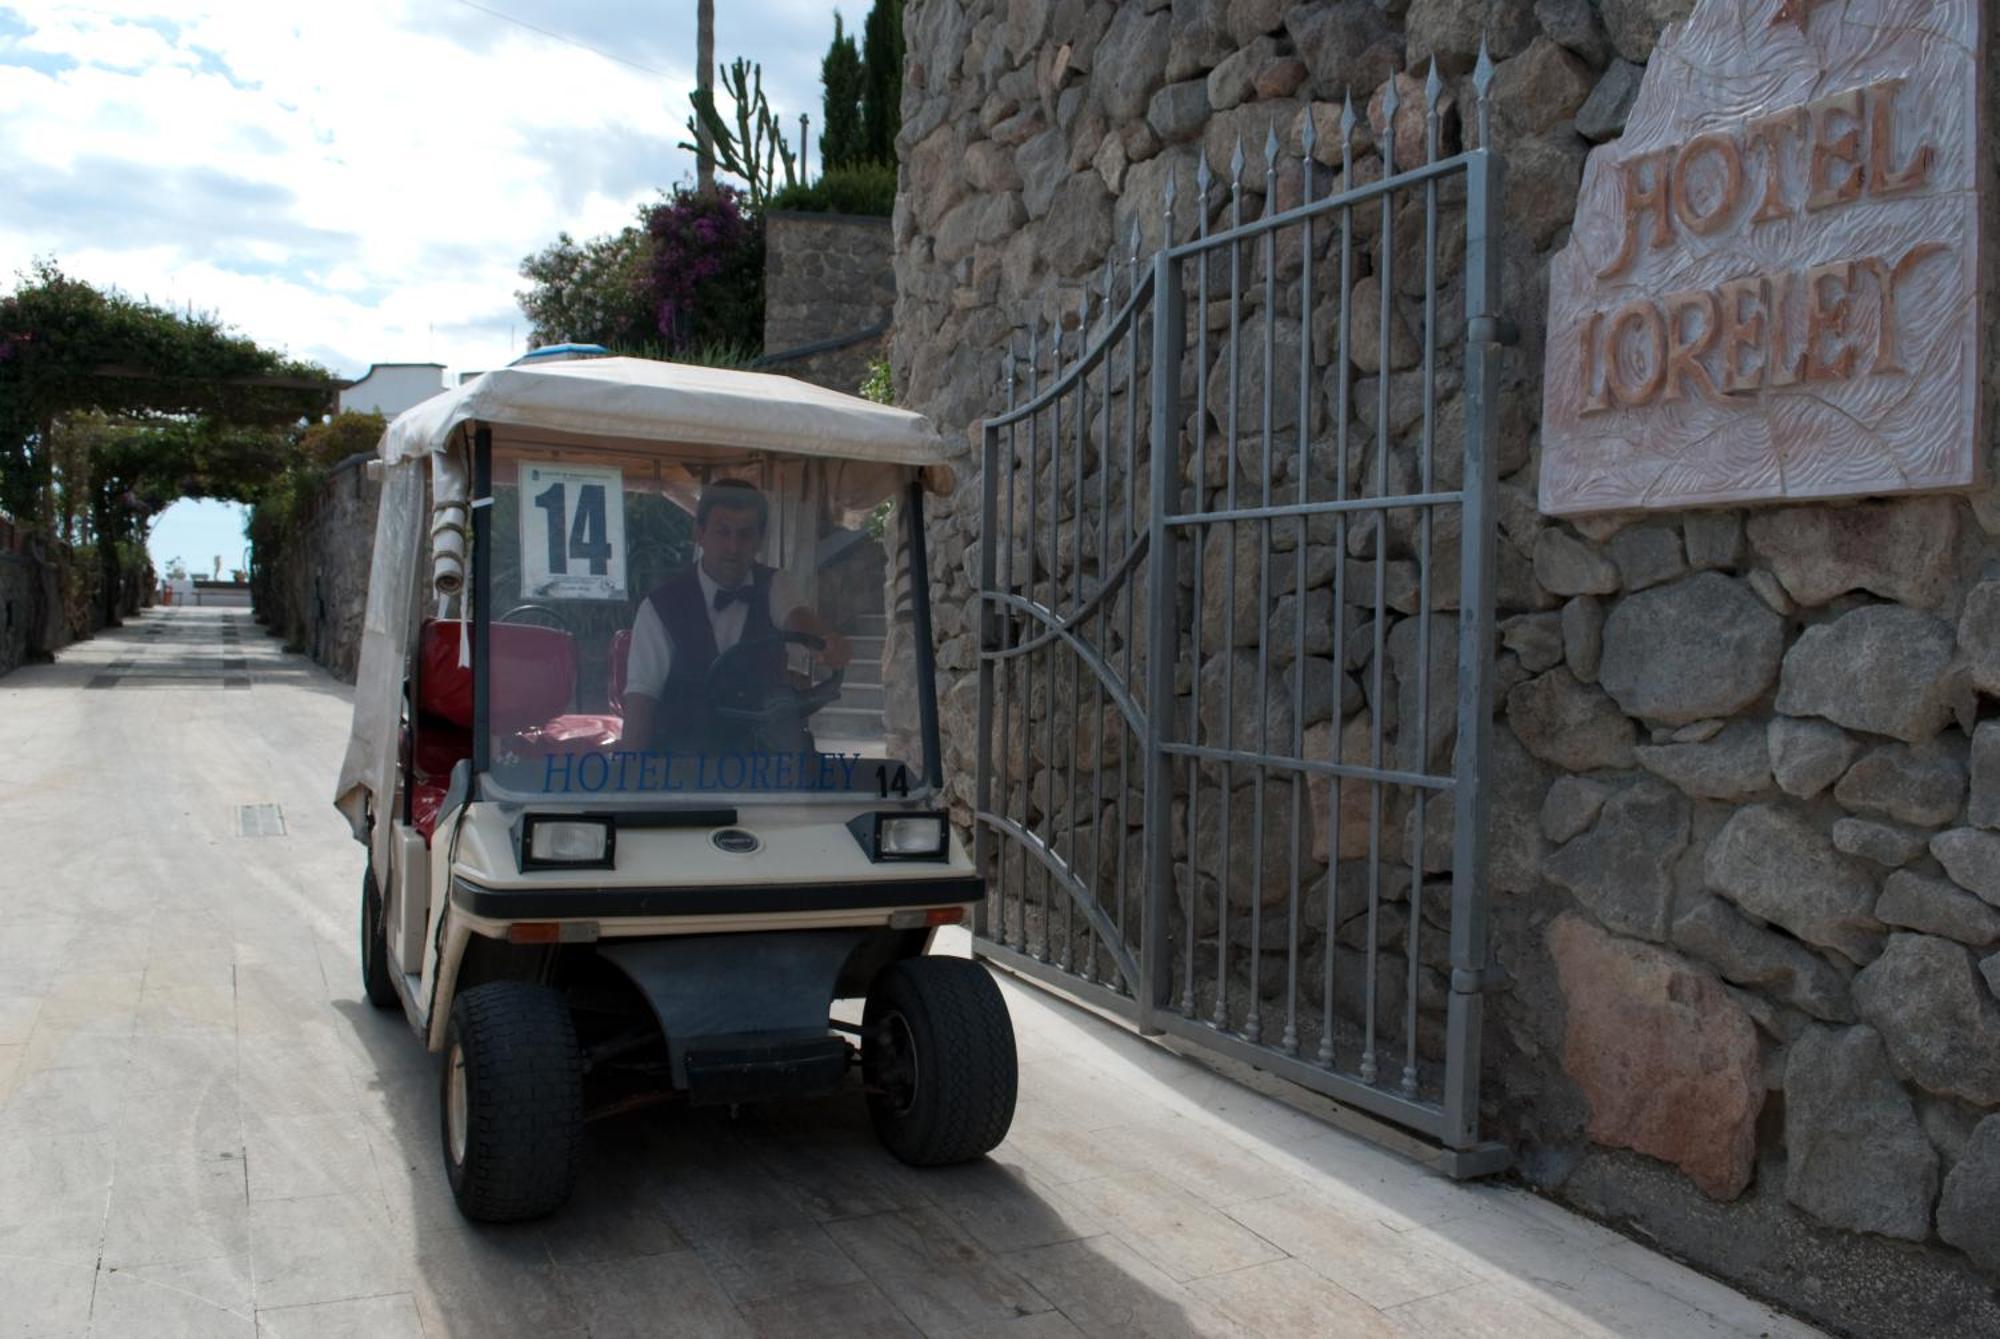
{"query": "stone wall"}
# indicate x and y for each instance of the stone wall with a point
(314, 591)
(827, 277)
(50, 598)
(1746, 906)
(20, 599)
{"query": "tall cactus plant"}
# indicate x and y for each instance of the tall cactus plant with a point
(753, 149)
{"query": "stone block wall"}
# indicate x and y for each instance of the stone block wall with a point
(20, 599)
(827, 277)
(314, 592)
(49, 598)
(1746, 906)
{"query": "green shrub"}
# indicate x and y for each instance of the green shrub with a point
(864, 188)
(878, 386)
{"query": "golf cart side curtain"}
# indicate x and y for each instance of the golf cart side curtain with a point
(368, 771)
(482, 586)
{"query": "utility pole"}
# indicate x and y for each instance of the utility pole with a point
(704, 82)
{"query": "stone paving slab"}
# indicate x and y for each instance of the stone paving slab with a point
(204, 1130)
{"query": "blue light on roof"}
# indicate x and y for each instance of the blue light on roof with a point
(556, 353)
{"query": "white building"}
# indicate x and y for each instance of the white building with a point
(390, 388)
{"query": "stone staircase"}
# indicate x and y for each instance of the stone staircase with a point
(858, 713)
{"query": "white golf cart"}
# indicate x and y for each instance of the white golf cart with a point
(645, 755)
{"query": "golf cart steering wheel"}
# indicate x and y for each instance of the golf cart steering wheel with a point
(734, 693)
(551, 617)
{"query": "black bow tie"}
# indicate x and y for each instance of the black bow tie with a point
(724, 596)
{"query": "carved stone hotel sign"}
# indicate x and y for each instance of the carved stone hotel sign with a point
(1772, 288)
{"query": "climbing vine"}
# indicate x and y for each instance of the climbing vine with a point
(112, 407)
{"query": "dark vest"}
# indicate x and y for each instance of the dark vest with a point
(683, 719)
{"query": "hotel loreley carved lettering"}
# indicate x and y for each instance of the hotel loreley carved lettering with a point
(1772, 287)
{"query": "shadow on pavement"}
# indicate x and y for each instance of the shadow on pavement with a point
(774, 1219)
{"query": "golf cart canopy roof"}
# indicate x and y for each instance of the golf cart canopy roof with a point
(636, 402)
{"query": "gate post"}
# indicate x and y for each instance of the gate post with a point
(982, 796)
(1163, 634)
(1484, 336)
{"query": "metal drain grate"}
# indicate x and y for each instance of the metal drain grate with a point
(260, 820)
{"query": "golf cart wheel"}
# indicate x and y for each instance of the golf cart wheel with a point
(510, 1101)
(938, 1056)
(375, 979)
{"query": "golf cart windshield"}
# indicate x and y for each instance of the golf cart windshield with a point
(677, 624)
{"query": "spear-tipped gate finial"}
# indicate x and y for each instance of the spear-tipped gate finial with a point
(1482, 86)
(1392, 103)
(1271, 169)
(1433, 96)
(1202, 181)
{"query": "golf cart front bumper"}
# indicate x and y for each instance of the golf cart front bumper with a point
(803, 869)
(796, 903)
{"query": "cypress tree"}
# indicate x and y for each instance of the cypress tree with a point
(841, 75)
(882, 91)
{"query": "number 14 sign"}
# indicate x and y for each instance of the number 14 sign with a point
(572, 532)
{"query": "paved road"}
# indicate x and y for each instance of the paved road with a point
(204, 1131)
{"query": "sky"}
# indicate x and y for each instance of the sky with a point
(354, 183)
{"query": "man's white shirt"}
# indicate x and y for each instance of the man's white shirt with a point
(652, 653)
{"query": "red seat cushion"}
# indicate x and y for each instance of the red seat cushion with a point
(444, 687)
(439, 749)
(533, 674)
(426, 798)
(533, 678)
(572, 733)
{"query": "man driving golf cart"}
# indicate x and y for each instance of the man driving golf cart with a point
(625, 845)
(727, 597)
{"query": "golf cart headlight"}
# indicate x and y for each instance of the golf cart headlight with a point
(573, 843)
(899, 836)
(910, 835)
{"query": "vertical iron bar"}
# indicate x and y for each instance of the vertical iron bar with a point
(1289, 1041)
(1413, 935)
(1075, 660)
(1228, 801)
(1345, 373)
(1253, 1023)
(1049, 886)
(1385, 266)
(1127, 876)
(925, 648)
(1103, 611)
(1162, 630)
(1484, 181)
(989, 487)
(1191, 912)
(1028, 582)
(1004, 688)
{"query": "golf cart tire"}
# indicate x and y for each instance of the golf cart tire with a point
(963, 1041)
(375, 979)
(523, 1101)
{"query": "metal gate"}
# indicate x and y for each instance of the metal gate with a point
(1236, 622)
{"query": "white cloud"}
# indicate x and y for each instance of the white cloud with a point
(355, 183)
